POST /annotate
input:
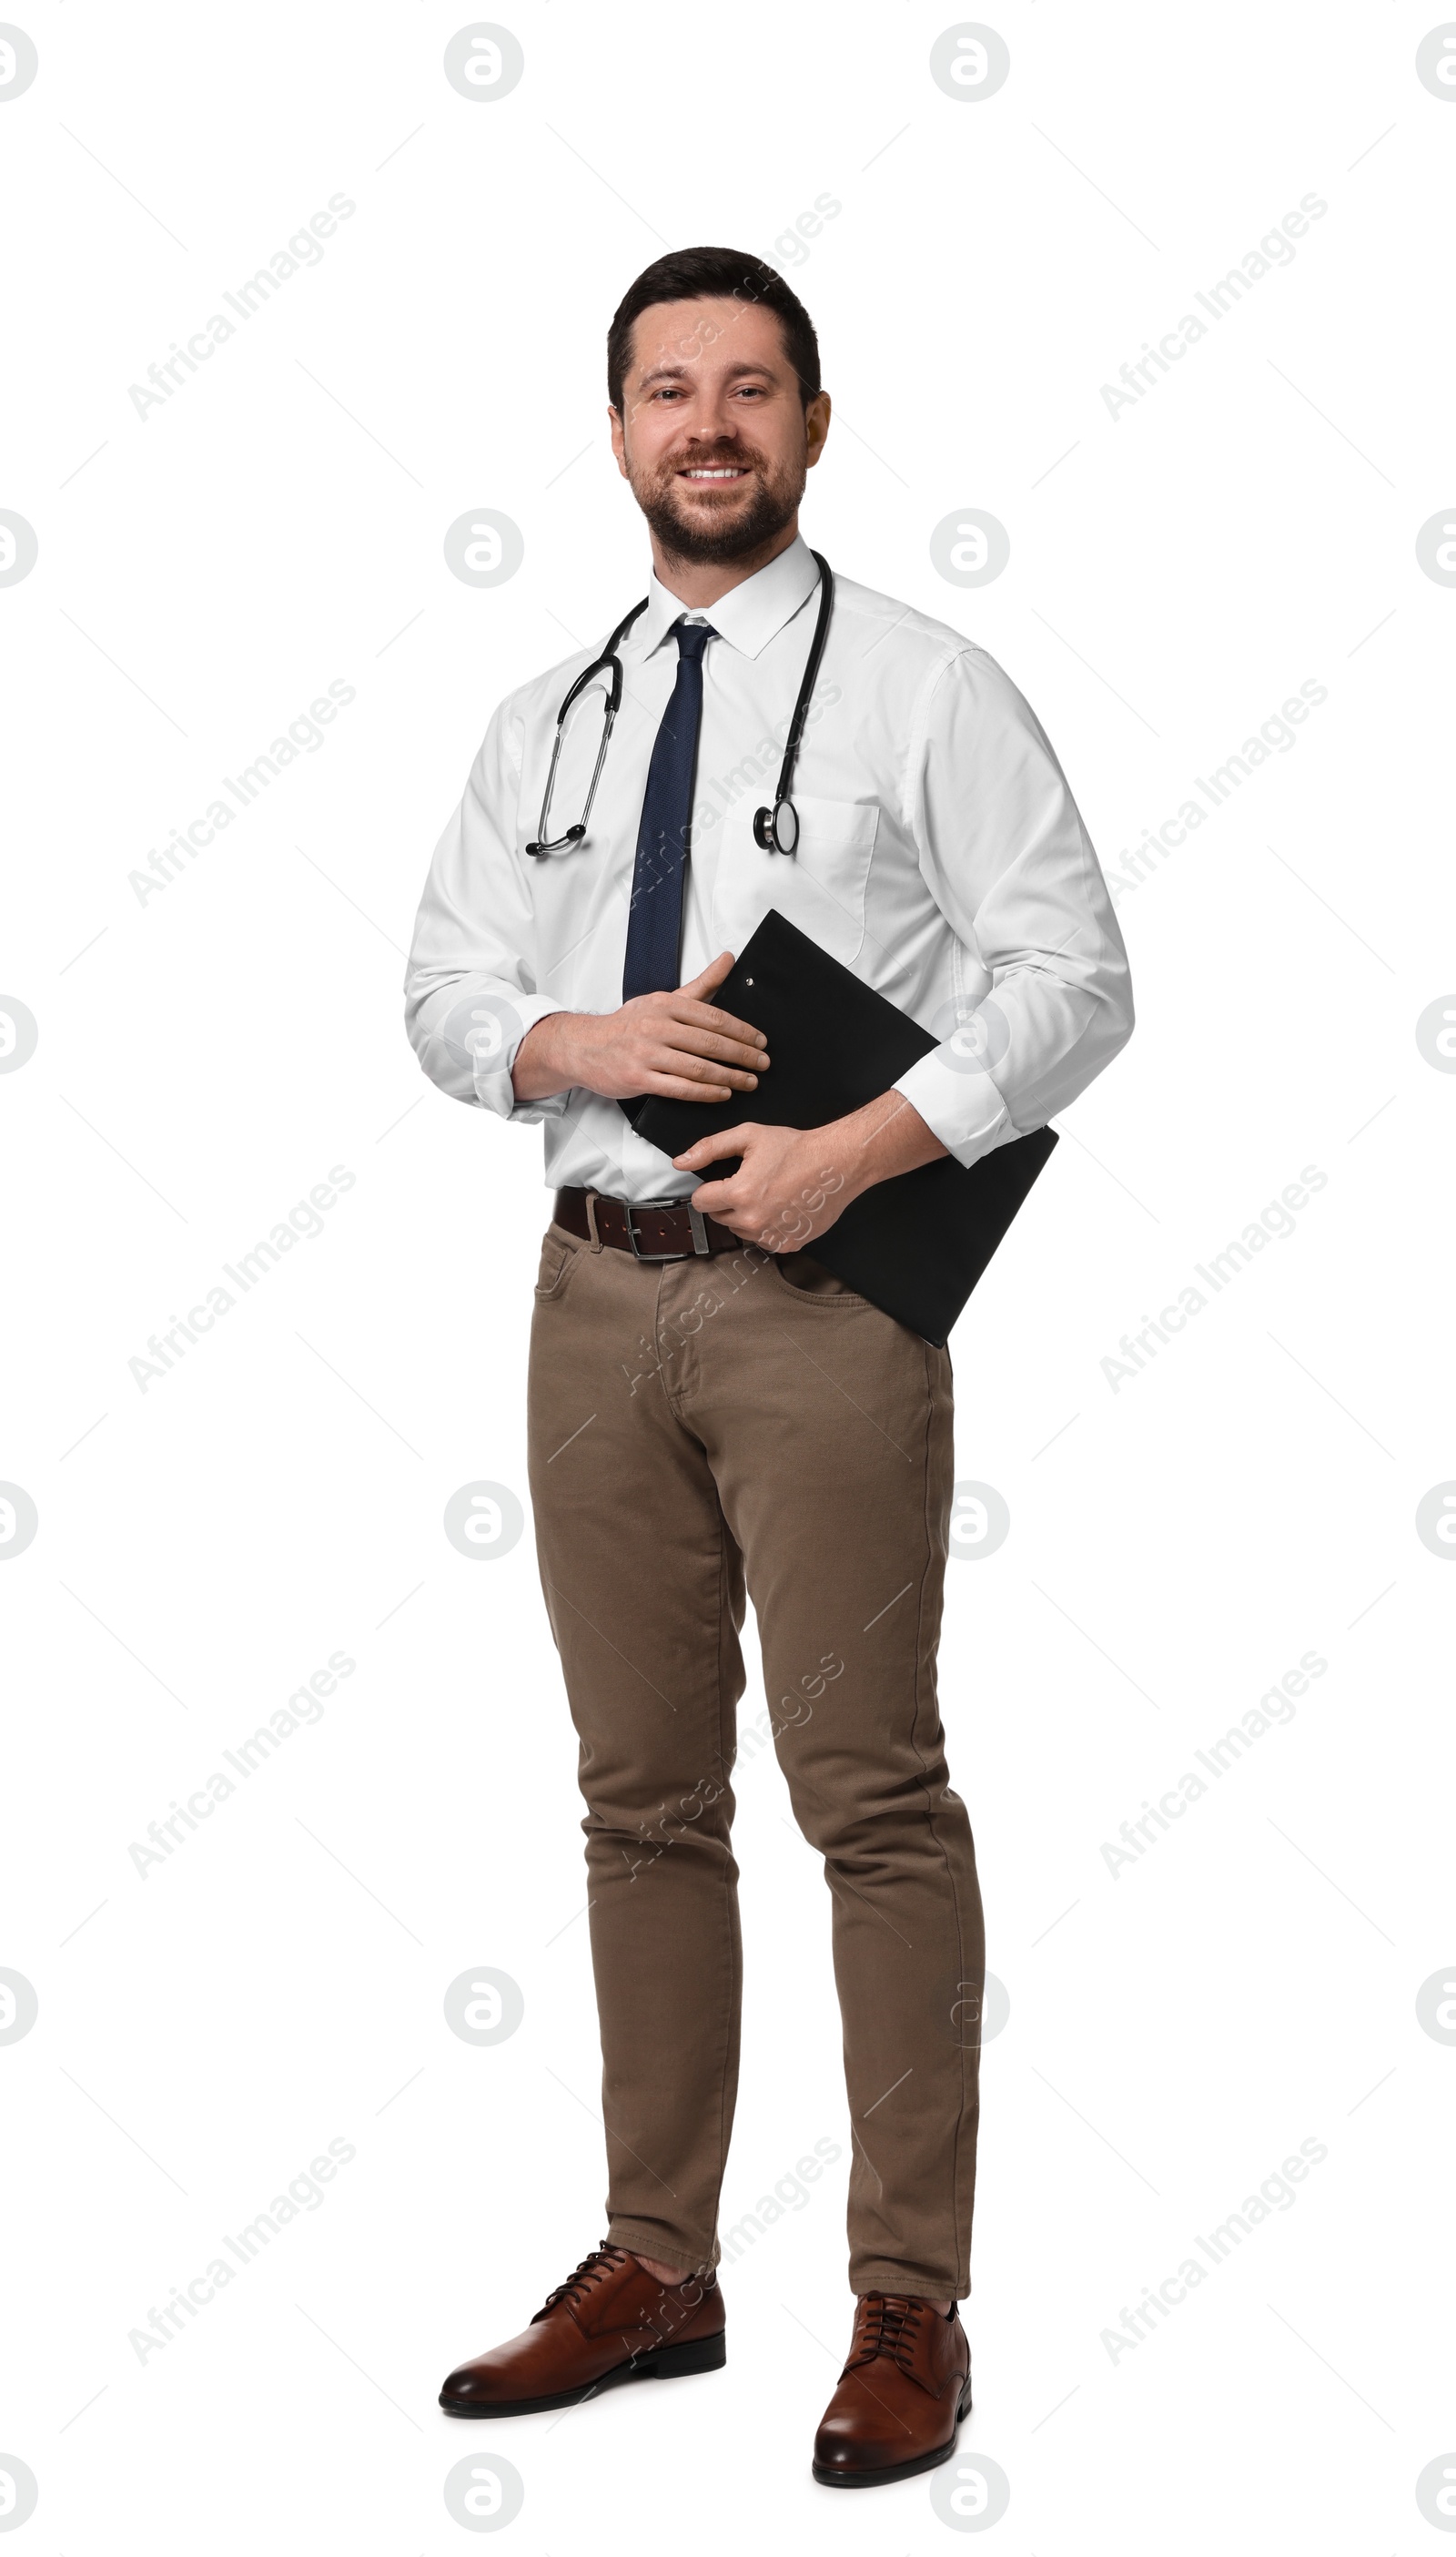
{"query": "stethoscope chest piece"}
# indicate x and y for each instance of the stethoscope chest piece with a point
(776, 829)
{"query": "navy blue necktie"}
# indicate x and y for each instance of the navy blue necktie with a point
(655, 920)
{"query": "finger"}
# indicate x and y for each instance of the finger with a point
(707, 1017)
(740, 1221)
(715, 1199)
(693, 1042)
(712, 1149)
(688, 1067)
(724, 1200)
(673, 1087)
(711, 976)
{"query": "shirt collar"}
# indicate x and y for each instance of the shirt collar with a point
(748, 616)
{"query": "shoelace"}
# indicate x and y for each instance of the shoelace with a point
(591, 2268)
(891, 2327)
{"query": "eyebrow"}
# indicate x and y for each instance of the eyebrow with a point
(684, 372)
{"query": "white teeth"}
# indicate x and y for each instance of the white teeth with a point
(714, 475)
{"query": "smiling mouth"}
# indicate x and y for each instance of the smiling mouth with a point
(703, 475)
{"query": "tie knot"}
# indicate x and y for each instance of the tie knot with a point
(691, 638)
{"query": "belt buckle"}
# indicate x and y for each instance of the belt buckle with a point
(700, 1231)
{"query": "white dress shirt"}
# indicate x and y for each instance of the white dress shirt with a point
(941, 856)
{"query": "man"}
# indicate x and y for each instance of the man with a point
(708, 1406)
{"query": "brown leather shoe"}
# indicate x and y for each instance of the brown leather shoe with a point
(901, 2394)
(609, 2323)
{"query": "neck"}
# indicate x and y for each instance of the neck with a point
(700, 583)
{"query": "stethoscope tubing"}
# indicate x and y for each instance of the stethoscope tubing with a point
(775, 829)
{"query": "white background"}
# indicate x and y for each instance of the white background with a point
(204, 1059)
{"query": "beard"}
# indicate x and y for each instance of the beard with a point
(726, 531)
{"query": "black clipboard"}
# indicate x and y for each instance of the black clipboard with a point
(916, 1245)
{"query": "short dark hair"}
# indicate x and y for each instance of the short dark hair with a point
(693, 275)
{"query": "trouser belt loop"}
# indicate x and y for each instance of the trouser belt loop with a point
(701, 1244)
(591, 1196)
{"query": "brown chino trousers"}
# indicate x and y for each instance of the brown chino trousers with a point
(693, 1425)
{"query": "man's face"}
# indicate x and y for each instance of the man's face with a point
(713, 435)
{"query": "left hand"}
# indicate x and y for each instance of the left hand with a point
(787, 1191)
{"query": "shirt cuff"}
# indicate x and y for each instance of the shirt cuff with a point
(493, 1087)
(961, 1105)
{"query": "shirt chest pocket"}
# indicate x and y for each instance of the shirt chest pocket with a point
(820, 887)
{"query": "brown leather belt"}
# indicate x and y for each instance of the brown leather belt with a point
(653, 1230)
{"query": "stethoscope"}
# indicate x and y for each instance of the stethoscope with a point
(775, 829)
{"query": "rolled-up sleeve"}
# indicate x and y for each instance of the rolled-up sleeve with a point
(1008, 861)
(471, 988)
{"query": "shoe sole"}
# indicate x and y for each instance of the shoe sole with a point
(906, 2468)
(669, 2362)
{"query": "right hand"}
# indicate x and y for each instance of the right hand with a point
(676, 1044)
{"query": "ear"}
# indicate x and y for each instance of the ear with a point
(618, 439)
